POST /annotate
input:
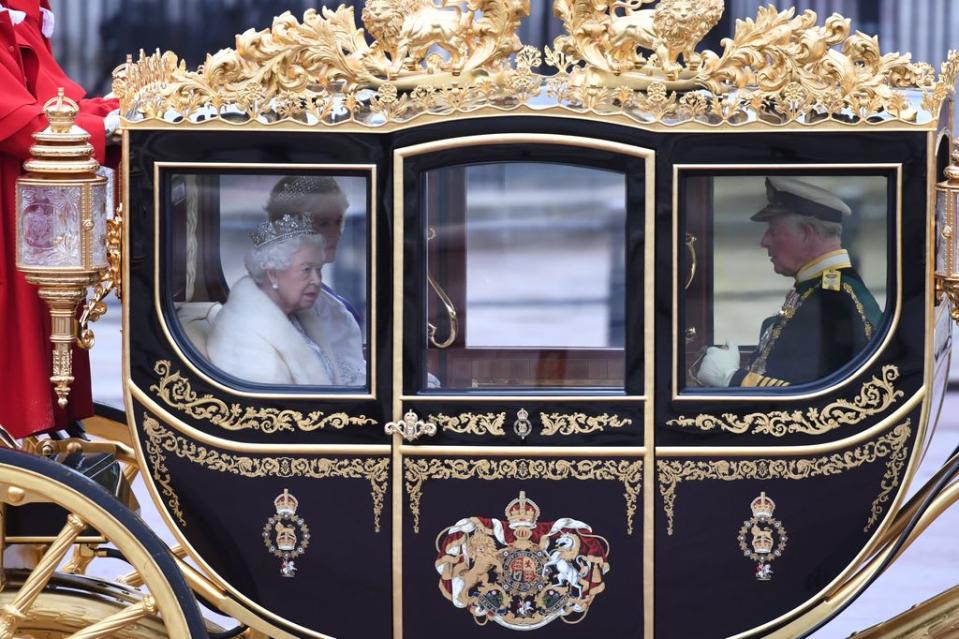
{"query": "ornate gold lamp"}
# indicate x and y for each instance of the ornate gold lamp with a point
(62, 228)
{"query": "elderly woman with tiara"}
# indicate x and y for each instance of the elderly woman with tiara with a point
(269, 330)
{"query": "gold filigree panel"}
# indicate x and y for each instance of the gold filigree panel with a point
(891, 447)
(628, 472)
(175, 390)
(777, 69)
(579, 423)
(162, 442)
(472, 424)
(875, 396)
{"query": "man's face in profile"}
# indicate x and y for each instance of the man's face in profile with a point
(785, 244)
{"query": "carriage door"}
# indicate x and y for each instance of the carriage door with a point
(521, 384)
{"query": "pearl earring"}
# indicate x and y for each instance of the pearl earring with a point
(276, 286)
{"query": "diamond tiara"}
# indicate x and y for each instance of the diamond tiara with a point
(284, 228)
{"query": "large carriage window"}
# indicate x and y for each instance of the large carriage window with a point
(525, 276)
(268, 274)
(784, 277)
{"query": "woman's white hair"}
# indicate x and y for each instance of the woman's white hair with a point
(277, 256)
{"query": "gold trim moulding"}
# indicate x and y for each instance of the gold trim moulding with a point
(891, 447)
(875, 396)
(900, 414)
(251, 168)
(177, 392)
(523, 451)
(176, 424)
(689, 395)
(628, 472)
(778, 68)
(160, 439)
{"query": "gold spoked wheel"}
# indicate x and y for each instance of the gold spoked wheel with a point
(29, 600)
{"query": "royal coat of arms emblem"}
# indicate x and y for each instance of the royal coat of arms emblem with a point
(520, 572)
(285, 534)
(767, 534)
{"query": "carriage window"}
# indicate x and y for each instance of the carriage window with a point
(268, 274)
(784, 277)
(525, 276)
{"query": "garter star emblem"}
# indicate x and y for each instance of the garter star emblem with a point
(767, 536)
(285, 534)
(520, 572)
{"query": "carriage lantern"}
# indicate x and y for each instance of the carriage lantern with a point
(62, 227)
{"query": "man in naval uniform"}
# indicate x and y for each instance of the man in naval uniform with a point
(829, 315)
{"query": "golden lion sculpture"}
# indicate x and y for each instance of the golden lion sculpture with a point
(406, 29)
(671, 29)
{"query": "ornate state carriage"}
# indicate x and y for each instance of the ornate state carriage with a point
(536, 250)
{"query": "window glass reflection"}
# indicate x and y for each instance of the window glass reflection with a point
(526, 276)
(269, 275)
(790, 282)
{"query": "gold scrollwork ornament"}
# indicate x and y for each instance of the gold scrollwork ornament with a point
(579, 423)
(875, 396)
(766, 538)
(472, 424)
(285, 534)
(175, 390)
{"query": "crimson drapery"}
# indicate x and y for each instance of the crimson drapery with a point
(29, 76)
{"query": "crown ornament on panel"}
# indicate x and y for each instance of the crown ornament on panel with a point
(634, 59)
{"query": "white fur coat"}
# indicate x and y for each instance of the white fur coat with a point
(253, 340)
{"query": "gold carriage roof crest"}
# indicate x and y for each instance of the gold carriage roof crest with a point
(633, 61)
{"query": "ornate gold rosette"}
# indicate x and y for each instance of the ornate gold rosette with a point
(616, 59)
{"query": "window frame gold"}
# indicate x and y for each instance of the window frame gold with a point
(251, 167)
(683, 395)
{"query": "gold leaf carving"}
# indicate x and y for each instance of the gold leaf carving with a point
(468, 423)
(162, 441)
(451, 57)
(629, 472)
(891, 447)
(579, 423)
(175, 391)
(875, 396)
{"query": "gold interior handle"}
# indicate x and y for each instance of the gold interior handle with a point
(690, 246)
(447, 304)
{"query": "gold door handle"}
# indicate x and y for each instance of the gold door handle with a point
(690, 246)
(411, 427)
(447, 305)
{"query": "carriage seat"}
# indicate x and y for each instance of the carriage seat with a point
(196, 318)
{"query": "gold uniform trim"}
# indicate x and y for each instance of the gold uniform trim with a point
(176, 392)
(875, 396)
(161, 440)
(471, 424)
(777, 69)
(891, 447)
(629, 472)
(579, 423)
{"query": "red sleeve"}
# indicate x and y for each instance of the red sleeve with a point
(99, 106)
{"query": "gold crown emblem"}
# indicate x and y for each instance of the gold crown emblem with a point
(762, 541)
(282, 229)
(285, 537)
(522, 512)
(763, 506)
(286, 503)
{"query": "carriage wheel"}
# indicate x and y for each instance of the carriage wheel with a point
(88, 608)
